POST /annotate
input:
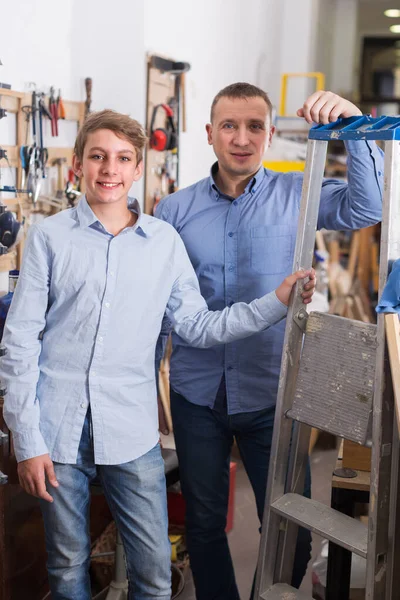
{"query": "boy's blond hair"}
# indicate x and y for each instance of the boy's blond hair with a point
(122, 125)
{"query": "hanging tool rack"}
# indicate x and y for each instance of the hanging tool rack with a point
(15, 103)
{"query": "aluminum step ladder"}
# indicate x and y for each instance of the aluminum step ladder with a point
(334, 376)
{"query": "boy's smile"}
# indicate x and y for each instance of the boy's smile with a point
(109, 167)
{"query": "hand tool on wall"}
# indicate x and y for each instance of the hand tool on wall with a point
(53, 110)
(59, 163)
(60, 106)
(88, 101)
(163, 138)
(72, 189)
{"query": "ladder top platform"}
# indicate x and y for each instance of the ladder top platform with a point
(358, 128)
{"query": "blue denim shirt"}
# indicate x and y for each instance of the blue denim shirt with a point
(83, 326)
(243, 248)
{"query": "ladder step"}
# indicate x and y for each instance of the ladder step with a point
(281, 591)
(328, 522)
(335, 383)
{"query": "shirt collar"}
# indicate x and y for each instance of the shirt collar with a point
(252, 186)
(86, 216)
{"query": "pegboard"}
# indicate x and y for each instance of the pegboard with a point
(15, 125)
(163, 87)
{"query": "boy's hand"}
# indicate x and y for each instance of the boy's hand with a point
(284, 290)
(327, 107)
(32, 475)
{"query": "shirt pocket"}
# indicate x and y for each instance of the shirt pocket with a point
(272, 248)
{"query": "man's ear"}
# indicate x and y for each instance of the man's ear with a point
(77, 166)
(139, 170)
(209, 133)
(271, 132)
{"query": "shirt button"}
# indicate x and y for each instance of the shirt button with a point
(101, 338)
(230, 234)
(111, 272)
(231, 268)
(93, 373)
(234, 203)
(107, 305)
(83, 405)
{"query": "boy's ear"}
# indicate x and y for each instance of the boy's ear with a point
(139, 170)
(76, 166)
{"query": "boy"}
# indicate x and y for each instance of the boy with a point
(81, 336)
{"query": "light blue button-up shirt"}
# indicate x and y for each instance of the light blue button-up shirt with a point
(242, 248)
(83, 326)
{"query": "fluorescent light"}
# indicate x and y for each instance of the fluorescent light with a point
(395, 28)
(392, 12)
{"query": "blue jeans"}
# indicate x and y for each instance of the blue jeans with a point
(204, 439)
(136, 494)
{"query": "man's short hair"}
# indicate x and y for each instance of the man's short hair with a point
(241, 90)
(122, 125)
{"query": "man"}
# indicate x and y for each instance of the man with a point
(239, 227)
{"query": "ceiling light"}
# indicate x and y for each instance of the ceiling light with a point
(392, 12)
(395, 28)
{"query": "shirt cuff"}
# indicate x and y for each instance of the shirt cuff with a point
(29, 444)
(271, 308)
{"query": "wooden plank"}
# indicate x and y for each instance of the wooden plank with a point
(73, 110)
(360, 483)
(55, 153)
(355, 243)
(356, 457)
(8, 261)
(160, 88)
(10, 100)
(392, 326)
(12, 155)
(11, 93)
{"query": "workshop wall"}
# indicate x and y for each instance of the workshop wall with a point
(224, 42)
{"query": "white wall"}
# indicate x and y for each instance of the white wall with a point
(344, 79)
(224, 42)
(108, 40)
(107, 43)
(35, 44)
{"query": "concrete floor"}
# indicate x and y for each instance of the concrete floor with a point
(244, 538)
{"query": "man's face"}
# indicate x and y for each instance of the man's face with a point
(240, 133)
(108, 167)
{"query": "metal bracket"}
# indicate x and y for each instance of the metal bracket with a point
(301, 318)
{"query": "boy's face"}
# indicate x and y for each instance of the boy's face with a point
(108, 166)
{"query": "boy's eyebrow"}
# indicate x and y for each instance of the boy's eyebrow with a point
(103, 150)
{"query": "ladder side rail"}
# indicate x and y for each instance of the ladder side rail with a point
(311, 192)
(383, 406)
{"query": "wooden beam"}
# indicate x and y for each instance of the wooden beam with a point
(392, 325)
(10, 100)
(55, 153)
(12, 156)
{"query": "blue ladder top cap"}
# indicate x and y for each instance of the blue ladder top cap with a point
(358, 128)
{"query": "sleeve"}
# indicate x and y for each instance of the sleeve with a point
(202, 328)
(358, 203)
(19, 368)
(162, 211)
